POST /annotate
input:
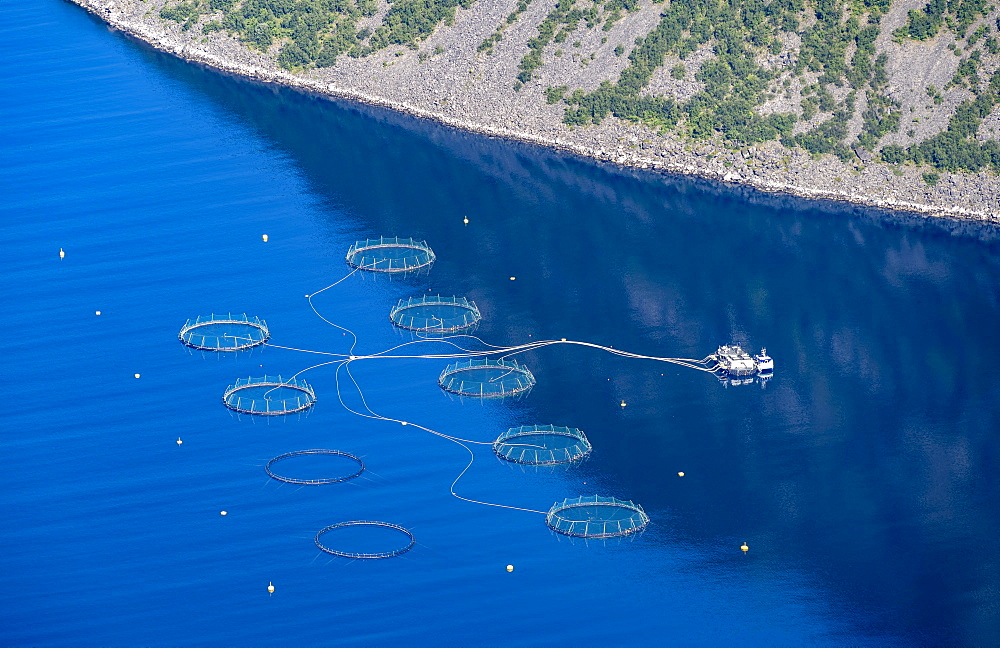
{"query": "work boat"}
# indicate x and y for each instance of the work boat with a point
(765, 364)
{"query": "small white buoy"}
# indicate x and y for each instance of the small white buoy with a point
(466, 220)
(179, 442)
(223, 512)
(510, 568)
(265, 238)
(680, 474)
(513, 278)
(270, 587)
(137, 375)
(563, 340)
(62, 253)
(97, 312)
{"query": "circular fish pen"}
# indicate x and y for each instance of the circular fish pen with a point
(390, 254)
(596, 517)
(224, 332)
(346, 538)
(269, 396)
(485, 378)
(320, 468)
(435, 314)
(542, 445)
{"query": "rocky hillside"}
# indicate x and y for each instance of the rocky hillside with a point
(891, 102)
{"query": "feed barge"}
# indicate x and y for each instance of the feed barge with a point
(731, 361)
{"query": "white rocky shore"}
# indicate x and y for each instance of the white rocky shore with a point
(448, 81)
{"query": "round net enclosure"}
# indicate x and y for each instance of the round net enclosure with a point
(390, 254)
(596, 517)
(435, 314)
(542, 445)
(269, 396)
(365, 539)
(486, 378)
(314, 467)
(227, 332)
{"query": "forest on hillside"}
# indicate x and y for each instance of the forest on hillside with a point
(826, 51)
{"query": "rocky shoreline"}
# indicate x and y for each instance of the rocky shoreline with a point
(458, 88)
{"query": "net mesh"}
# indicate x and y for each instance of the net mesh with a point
(486, 378)
(542, 445)
(435, 314)
(269, 396)
(227, 332)
(390, 254)
(596, 517)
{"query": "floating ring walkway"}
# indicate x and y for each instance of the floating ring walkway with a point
(393, 254)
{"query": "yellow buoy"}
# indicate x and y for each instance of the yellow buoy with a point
(623, 403)
(510, 568)
(270, 587)
(137, 375)
(97, 312)
(466, 220)
(403, 422)
(744, 547)
(223, 512)
(513, 278)
(62, 253)
(680, 474)
(179, 442)
(265, 238)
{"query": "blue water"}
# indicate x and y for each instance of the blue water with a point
(863, 477)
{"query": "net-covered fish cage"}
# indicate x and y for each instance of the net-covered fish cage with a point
(269, 396)
(542, 445)
(390, 254)
(227, 332)
(435, 314)
(339, 543)
(351, 467)
(596, 517)
(486, 378)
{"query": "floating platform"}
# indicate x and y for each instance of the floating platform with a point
(732, 361)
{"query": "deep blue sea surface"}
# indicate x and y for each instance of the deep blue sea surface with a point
(863, 476)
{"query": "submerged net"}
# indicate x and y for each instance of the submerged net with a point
(390, 254)
(224, 332)
(310, 471)
(542, 445)
(486, 378)
(596, 517)
(435, 314)
(358, 538)
(269, 396)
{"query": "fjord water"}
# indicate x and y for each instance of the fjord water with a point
(863, 477)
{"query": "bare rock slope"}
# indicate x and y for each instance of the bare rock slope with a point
(891, 103)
